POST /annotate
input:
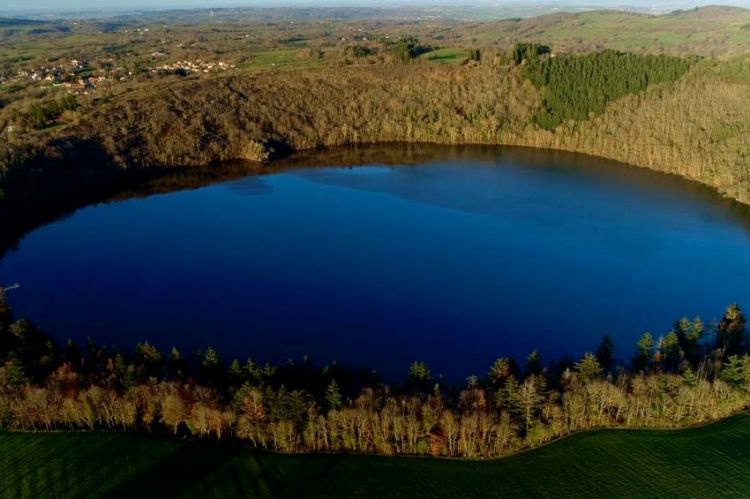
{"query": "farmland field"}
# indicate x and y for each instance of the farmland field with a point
(711, 461)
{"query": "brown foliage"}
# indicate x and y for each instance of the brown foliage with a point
(696, 127)
(376, 423)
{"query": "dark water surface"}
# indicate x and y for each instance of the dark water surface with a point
(456, 261)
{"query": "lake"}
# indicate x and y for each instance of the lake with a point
(456, 258)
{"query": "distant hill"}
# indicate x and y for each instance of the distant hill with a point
(711, 12)
(19, 21)
(706, 31)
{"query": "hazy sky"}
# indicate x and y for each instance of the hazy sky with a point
(7, 6)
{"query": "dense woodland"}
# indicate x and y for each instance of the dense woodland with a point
(688, 376)
(575, 87)
(695, 126)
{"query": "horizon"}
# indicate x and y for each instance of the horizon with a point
(16, 7)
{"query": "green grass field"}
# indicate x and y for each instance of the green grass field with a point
(281, 58)
(445, 55)
(713, 461)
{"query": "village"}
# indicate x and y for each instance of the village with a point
(82, 77)
(184, 68)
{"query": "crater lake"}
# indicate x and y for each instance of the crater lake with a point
(377, 257)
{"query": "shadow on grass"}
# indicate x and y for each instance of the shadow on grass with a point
(179, 472)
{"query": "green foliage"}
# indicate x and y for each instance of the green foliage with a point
(406, 49)
(474, 55)
(333, 396)
(534, 363)
(527, 51)
(419, 371)
(236, 373)
(643, 356)
(730, 333)
(419, 379)
(361, 51)
(147, 353)
(284, 405)
(605, 352)
(576, 86)
(502, 369)
(211, 359)
(689, 377)
(44, 113)
(124, 372)
(256, 372)
(211, 367)
(733, 371)
(509, 396)
(11, 374)
(588, 368)
(670, 351)
(690, 333)
(736, 371)
(645, 345)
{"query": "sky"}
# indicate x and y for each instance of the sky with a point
(9, 6)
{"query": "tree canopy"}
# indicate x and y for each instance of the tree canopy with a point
(576, 86)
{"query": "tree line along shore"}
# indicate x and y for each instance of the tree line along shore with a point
(690, 375)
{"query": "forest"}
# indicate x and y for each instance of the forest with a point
(183, 89)
(672, 125)
(691, 375)
(574, 87)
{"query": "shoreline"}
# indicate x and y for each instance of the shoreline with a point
(81, 190)
(743, 413)
(42, 197)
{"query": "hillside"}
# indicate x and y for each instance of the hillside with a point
(308, 85)
(705, 462)
(712, 13)
(708, 31)
(676, 127)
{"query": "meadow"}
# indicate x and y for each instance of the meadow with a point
(709, 461)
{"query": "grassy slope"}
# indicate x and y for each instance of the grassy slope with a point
(707, 31)
(705, 462)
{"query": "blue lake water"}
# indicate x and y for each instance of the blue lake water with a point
(454, 261)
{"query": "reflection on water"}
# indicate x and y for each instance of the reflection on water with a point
(451, 255)
(252, 185)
